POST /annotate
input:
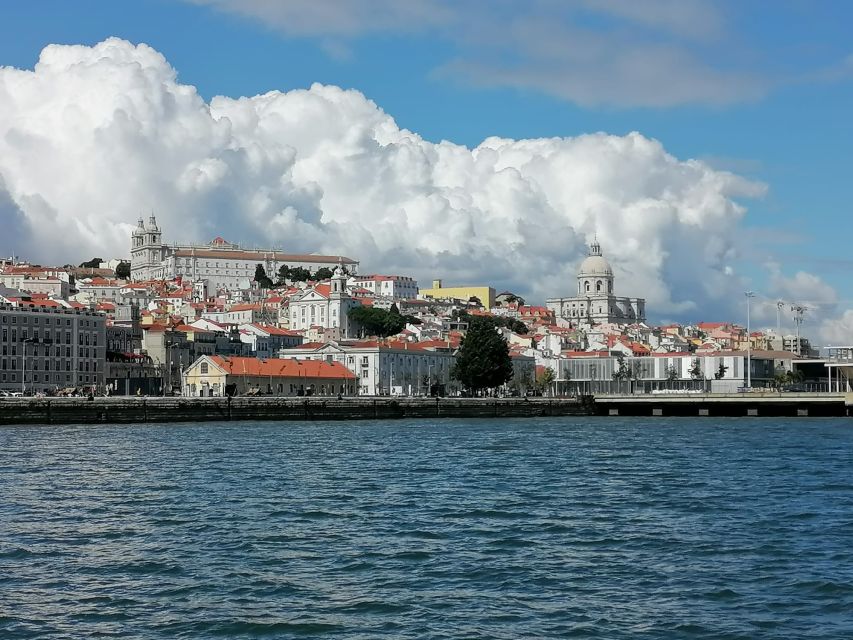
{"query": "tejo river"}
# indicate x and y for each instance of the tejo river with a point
(543, 528)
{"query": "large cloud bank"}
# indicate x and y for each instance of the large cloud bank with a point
(94, 137)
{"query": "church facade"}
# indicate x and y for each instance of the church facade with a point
(326, 306)
(220, 264)
(595, 302)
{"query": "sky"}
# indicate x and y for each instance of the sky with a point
(706, 144)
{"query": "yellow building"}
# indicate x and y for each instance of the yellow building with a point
(218, 376)
(486, 295)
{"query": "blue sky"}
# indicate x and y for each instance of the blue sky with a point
(766, 90)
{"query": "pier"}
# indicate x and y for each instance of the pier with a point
(753, 404)
(178, 409)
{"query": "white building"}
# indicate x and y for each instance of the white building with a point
(326, 306)
(96, 289)
(397, 287)
(265, 341)
(595, 301)
(220, 264)
(720, 372)
(396, 368)
(41, 283)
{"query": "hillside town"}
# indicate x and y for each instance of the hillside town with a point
(220, 319)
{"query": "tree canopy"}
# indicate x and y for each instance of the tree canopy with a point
(94, 263)
(482, 361)
(512, 324)
(299, 274)
(262, 278)
(379, 322)
(544, 379)
(123, 270)
(323, 273)
(696, 369)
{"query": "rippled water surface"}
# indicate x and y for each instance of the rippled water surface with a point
(539, 528)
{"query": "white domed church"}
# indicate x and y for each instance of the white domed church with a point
(595, 302)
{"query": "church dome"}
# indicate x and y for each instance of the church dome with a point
(595, 264)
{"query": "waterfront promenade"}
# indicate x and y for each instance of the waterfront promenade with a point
(179, 409)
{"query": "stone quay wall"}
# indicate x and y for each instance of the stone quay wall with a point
(175, 409)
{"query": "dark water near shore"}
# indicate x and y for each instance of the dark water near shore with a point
(584, 528)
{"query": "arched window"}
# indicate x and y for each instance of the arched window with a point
(598, 286)
(587, 286)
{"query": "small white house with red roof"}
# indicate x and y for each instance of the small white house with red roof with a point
(266, 340)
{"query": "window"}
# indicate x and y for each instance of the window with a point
(203, 368)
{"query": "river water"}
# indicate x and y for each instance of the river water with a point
(539, 528)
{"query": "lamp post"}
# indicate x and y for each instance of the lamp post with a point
(26, 341)
(748, 294)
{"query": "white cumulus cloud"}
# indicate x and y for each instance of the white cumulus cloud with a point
(93, 137)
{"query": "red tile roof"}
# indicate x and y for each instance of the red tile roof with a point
(283, 368)
(276, 331)
(243, 254)
(245, 307)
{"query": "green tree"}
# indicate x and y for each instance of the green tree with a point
(696, 369)
(721, 372)
(323, 273)
(544, 379)
(123, 270)
(500, 321)
(262, 278)
(94, 263)
(623, 371)
(300, 274)
(482, 361)
(378, 322)
(283, 274)
(671, 373)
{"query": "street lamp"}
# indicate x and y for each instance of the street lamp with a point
(748, 294)
(26, 341)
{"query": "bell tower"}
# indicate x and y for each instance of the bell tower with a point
(137, 251)
(339, 281)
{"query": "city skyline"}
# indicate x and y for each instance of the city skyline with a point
(729, 216)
